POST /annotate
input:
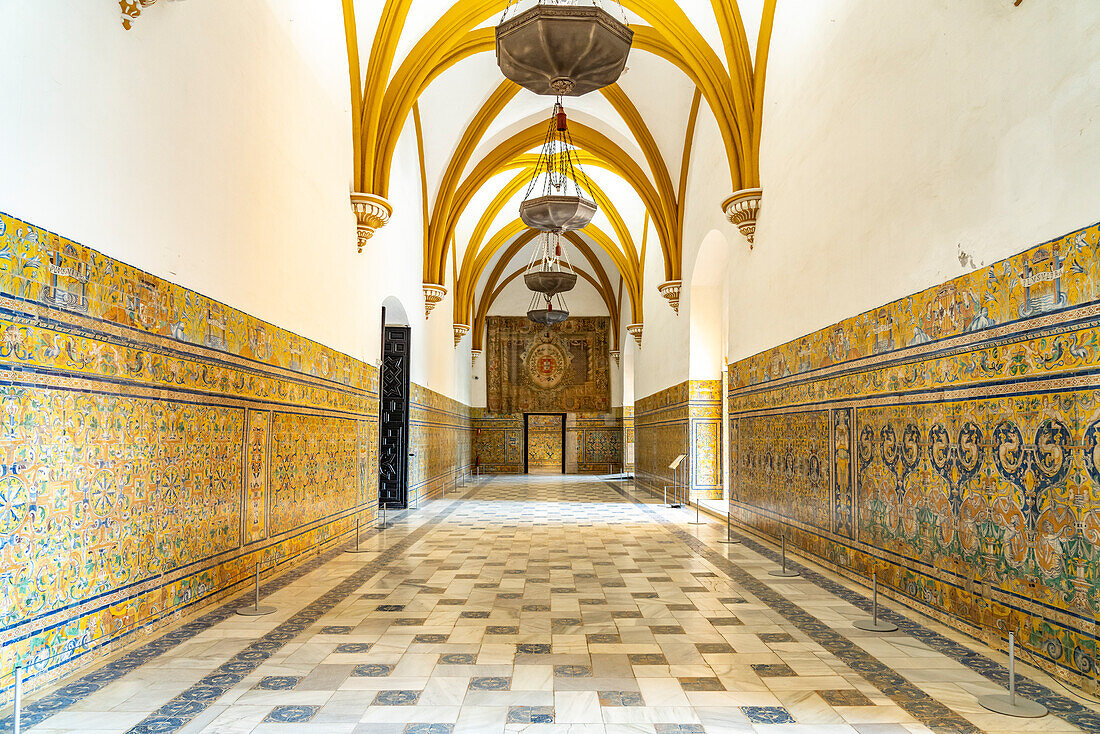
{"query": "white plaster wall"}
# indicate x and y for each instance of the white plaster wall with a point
(905, 143)
(662, 359)
(672, 351)
(211, 145)
(583, 300)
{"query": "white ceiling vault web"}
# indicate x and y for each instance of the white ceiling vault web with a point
(479, 129)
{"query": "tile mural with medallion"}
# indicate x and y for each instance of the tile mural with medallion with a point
(157, 445)
(950, 442)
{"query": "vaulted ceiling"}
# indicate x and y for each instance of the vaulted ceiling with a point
(478, 135)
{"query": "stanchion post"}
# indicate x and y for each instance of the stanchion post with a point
(18, 713)
(256, 610)
(687, 488)
(783, 571)
(729, 532)
(357, 549)
(1013, 705)
(873, 624)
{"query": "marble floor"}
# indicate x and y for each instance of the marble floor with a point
(550, 604)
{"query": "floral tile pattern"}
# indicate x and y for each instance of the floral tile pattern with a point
(945, 442)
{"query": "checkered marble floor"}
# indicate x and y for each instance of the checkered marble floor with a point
(547, 604)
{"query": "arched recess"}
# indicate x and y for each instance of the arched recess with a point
(599, 150)
(604, 152)
(517, 234)
(706, 306)
(513, 187)
(396, 315)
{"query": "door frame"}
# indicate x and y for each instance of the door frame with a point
(402, 501)
(526, 440)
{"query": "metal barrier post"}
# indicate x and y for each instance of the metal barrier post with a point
(18, 698)
(256, 610)
(729, 533)
(783, 571)
(873, 624)
(1013, 705)
(357, 549)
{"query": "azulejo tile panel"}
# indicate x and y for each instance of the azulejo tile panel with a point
(628, 438)
(1048, 278)
(498, 442)
(315, 463)
(785, 465)
(684, 419)
(593, 441)
(957, 432)
(599, 442)
(546, 442)
(440, 435)
(157, 446)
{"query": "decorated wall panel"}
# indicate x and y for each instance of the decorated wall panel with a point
(964, 424)
(563, 368)
(440, 437)
(593, 442)
(498, 442)
(545, 444)
(684, 419)
(628, 438)
(157, 445)
(785, 464)
(314, 467)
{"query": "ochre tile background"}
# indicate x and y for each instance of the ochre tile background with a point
(949, 442)
(684, 419)
(156, 446)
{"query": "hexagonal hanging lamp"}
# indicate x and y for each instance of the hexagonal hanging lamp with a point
(549, 274)
(562, 48)
(561, 205)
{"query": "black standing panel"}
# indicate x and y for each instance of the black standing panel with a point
(393, 460)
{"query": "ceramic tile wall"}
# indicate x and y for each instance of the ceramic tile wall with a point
(627, 413)
(156, 447)
(949, 442)
(593, 442)
(684, 419)
(440, 435)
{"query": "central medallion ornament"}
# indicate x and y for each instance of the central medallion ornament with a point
(546, 363)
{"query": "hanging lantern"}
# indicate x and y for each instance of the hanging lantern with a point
(561, 205)
(563, 48)
(549, 274)
(542, 310)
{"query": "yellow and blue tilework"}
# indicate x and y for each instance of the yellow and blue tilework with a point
(594, 439)
(157, 445)
(627, 414)
(948, 442)
(440, 437)
(684, 419)
(597, 438)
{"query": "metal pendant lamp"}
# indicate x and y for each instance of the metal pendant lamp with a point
(542, 310)
(562, 47)
(561, 205)
(549, 274)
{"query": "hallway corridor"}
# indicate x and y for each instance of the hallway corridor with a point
(549, 604)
